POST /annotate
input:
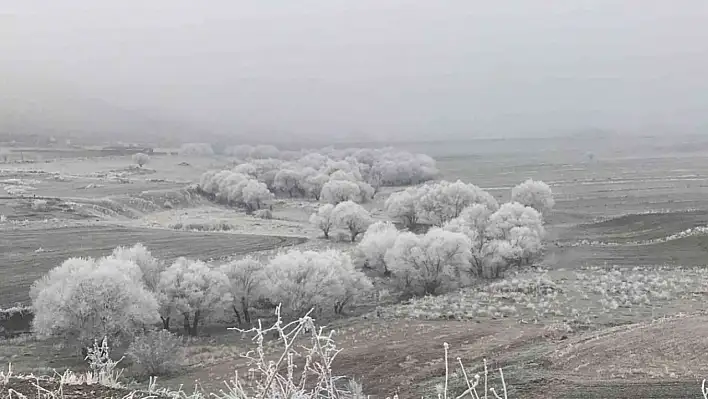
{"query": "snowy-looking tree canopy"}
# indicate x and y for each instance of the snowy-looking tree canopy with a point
(235, 188)
(534, 193)
(302, 280)
(195, 290)
(423, 262)
(141, 159)
(323, 219)
(85, 298)
(196, 150)
(352, 217)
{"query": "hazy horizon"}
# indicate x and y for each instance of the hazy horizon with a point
(361, 71)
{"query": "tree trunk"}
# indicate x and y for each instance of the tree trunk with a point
(244, 308)
(326, 234)
(238, 315)
(187, 330)
(165, 323)
(195, 324)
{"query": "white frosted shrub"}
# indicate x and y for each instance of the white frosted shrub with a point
(235, 188)
(323, 219)
(514, 214)
(196, 150)
(245, 280)
(141, 159)
(336, 191)
(150, 267)
(511, 235)
(83, 299)
(378, 239)
(314, 184)
(366, 192)
(352, 217)
(246, 169)
(255, 195)
(401, 206)
(40, 205)
(242, 151)
(302, 280)
(157, 353)
(423, 263)
(290, 182)
(534, 193)
(264, 151)
(194, 290)
(441, 202)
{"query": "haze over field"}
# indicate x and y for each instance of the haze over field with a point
(353, 70)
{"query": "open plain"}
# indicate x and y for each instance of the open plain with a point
(614, 309)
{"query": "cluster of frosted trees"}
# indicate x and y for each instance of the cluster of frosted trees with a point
(472, 236)
(330, 176)
(235, 188)
(347, 215)
(438, 203)
(122, 295)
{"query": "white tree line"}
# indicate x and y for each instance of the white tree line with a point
(332, 176)
(122, 294)
(130, 290)
(472, 236)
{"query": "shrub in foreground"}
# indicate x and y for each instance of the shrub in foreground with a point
(84, 299)
(157, 353)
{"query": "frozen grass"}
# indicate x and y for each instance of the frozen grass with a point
(695, 231)
(582, 298)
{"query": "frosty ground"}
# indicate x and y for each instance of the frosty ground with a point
(627, 248)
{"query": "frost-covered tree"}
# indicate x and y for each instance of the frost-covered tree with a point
(265, 151)
(242, 151)
(195, 290)
(245, 279)
(85, 299)
(303, 280)
(423, 263)
(351, 216)
(196, 150)
(366, 192)
(235, 189)
(254, 194)
(336, 191)
(441, 202)
(150, 266)
(398, 168)
(378, 239)
(514, 214)
(313, 160)
(141, 159)
(402, 205)
(534, 193)
(511, 235)
(314, 184)
(289, 181)
(247, 169)
(323, 219)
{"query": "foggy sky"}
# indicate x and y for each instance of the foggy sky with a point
(362, 68)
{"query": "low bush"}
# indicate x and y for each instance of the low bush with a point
(157, 353)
